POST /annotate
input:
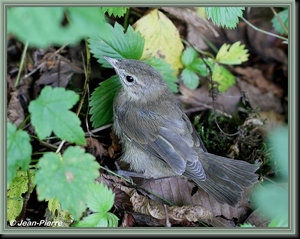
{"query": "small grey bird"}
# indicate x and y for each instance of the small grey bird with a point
(159, 140)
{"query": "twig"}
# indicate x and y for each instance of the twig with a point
(168, 224)
(21, 63)
(262, 31)
(279, 19)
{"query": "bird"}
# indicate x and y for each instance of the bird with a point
(159, 140)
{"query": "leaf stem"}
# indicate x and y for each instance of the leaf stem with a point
(21, 63)
(279, 19)
(262, 31)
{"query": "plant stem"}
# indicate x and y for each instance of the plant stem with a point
(21, 64)
(262, 31)
(279, 19)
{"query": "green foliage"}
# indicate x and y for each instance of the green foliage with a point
(67, 181)
(82, 23)
(223, 77)
(224, 16)
(115, 11)
(18, 186)
(232, 55)
(272, 198)
(246, 225)
(101, 101)
(18, 151)
(113, 42)
(117, 44)
(58, 217)
(284, 16)
(193, 65)
(50, 112)
(99, 200)
(227, 54)
(65, 178)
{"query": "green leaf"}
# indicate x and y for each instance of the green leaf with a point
(166, 71)
(56, 215)
(279, 221)
(38, 33)
(101, 101)
(83, 22)
(246, 224)
(18, 151)
(50, 112)
(18, 186)
(223, 77)
(100, 200)
(112, 220)
(284, 16)
(116, 11)
(192, 62)
(199, 66)
(188, 56)
(190, 78)
(232, 55)
(279, 187)
(224, 16)
(279, 143)
(66, 177)
(117, 44)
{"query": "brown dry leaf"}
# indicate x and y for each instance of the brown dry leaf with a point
(143, 205)
(267, 101)
(273, 120)
(162, 38)
(192, 17)
(128, 220)
(15, 112)
(194, 38)
(200, 99)
(182, 192)
(57, 70)
(114, 149)
(256, 78)
(94, 147)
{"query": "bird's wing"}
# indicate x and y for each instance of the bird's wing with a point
(171, 141)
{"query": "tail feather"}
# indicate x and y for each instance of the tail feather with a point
(226, 178)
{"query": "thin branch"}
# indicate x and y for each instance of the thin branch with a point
(21, 64)
(262, 31)
(279, 19)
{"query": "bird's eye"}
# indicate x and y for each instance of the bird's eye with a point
(129, 79)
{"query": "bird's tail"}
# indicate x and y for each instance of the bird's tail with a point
(226, 178)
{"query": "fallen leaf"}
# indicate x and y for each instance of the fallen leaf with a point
(15, 112)
(264, 101)
(200, 99)
(162, 39)
(193, 18)
(95, 148)
(255, 77)
(56, 70)
(143, 205)
(181, 192)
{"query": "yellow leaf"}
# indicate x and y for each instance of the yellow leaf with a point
(162, 38)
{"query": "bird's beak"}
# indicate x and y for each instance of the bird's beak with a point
(113, 62)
